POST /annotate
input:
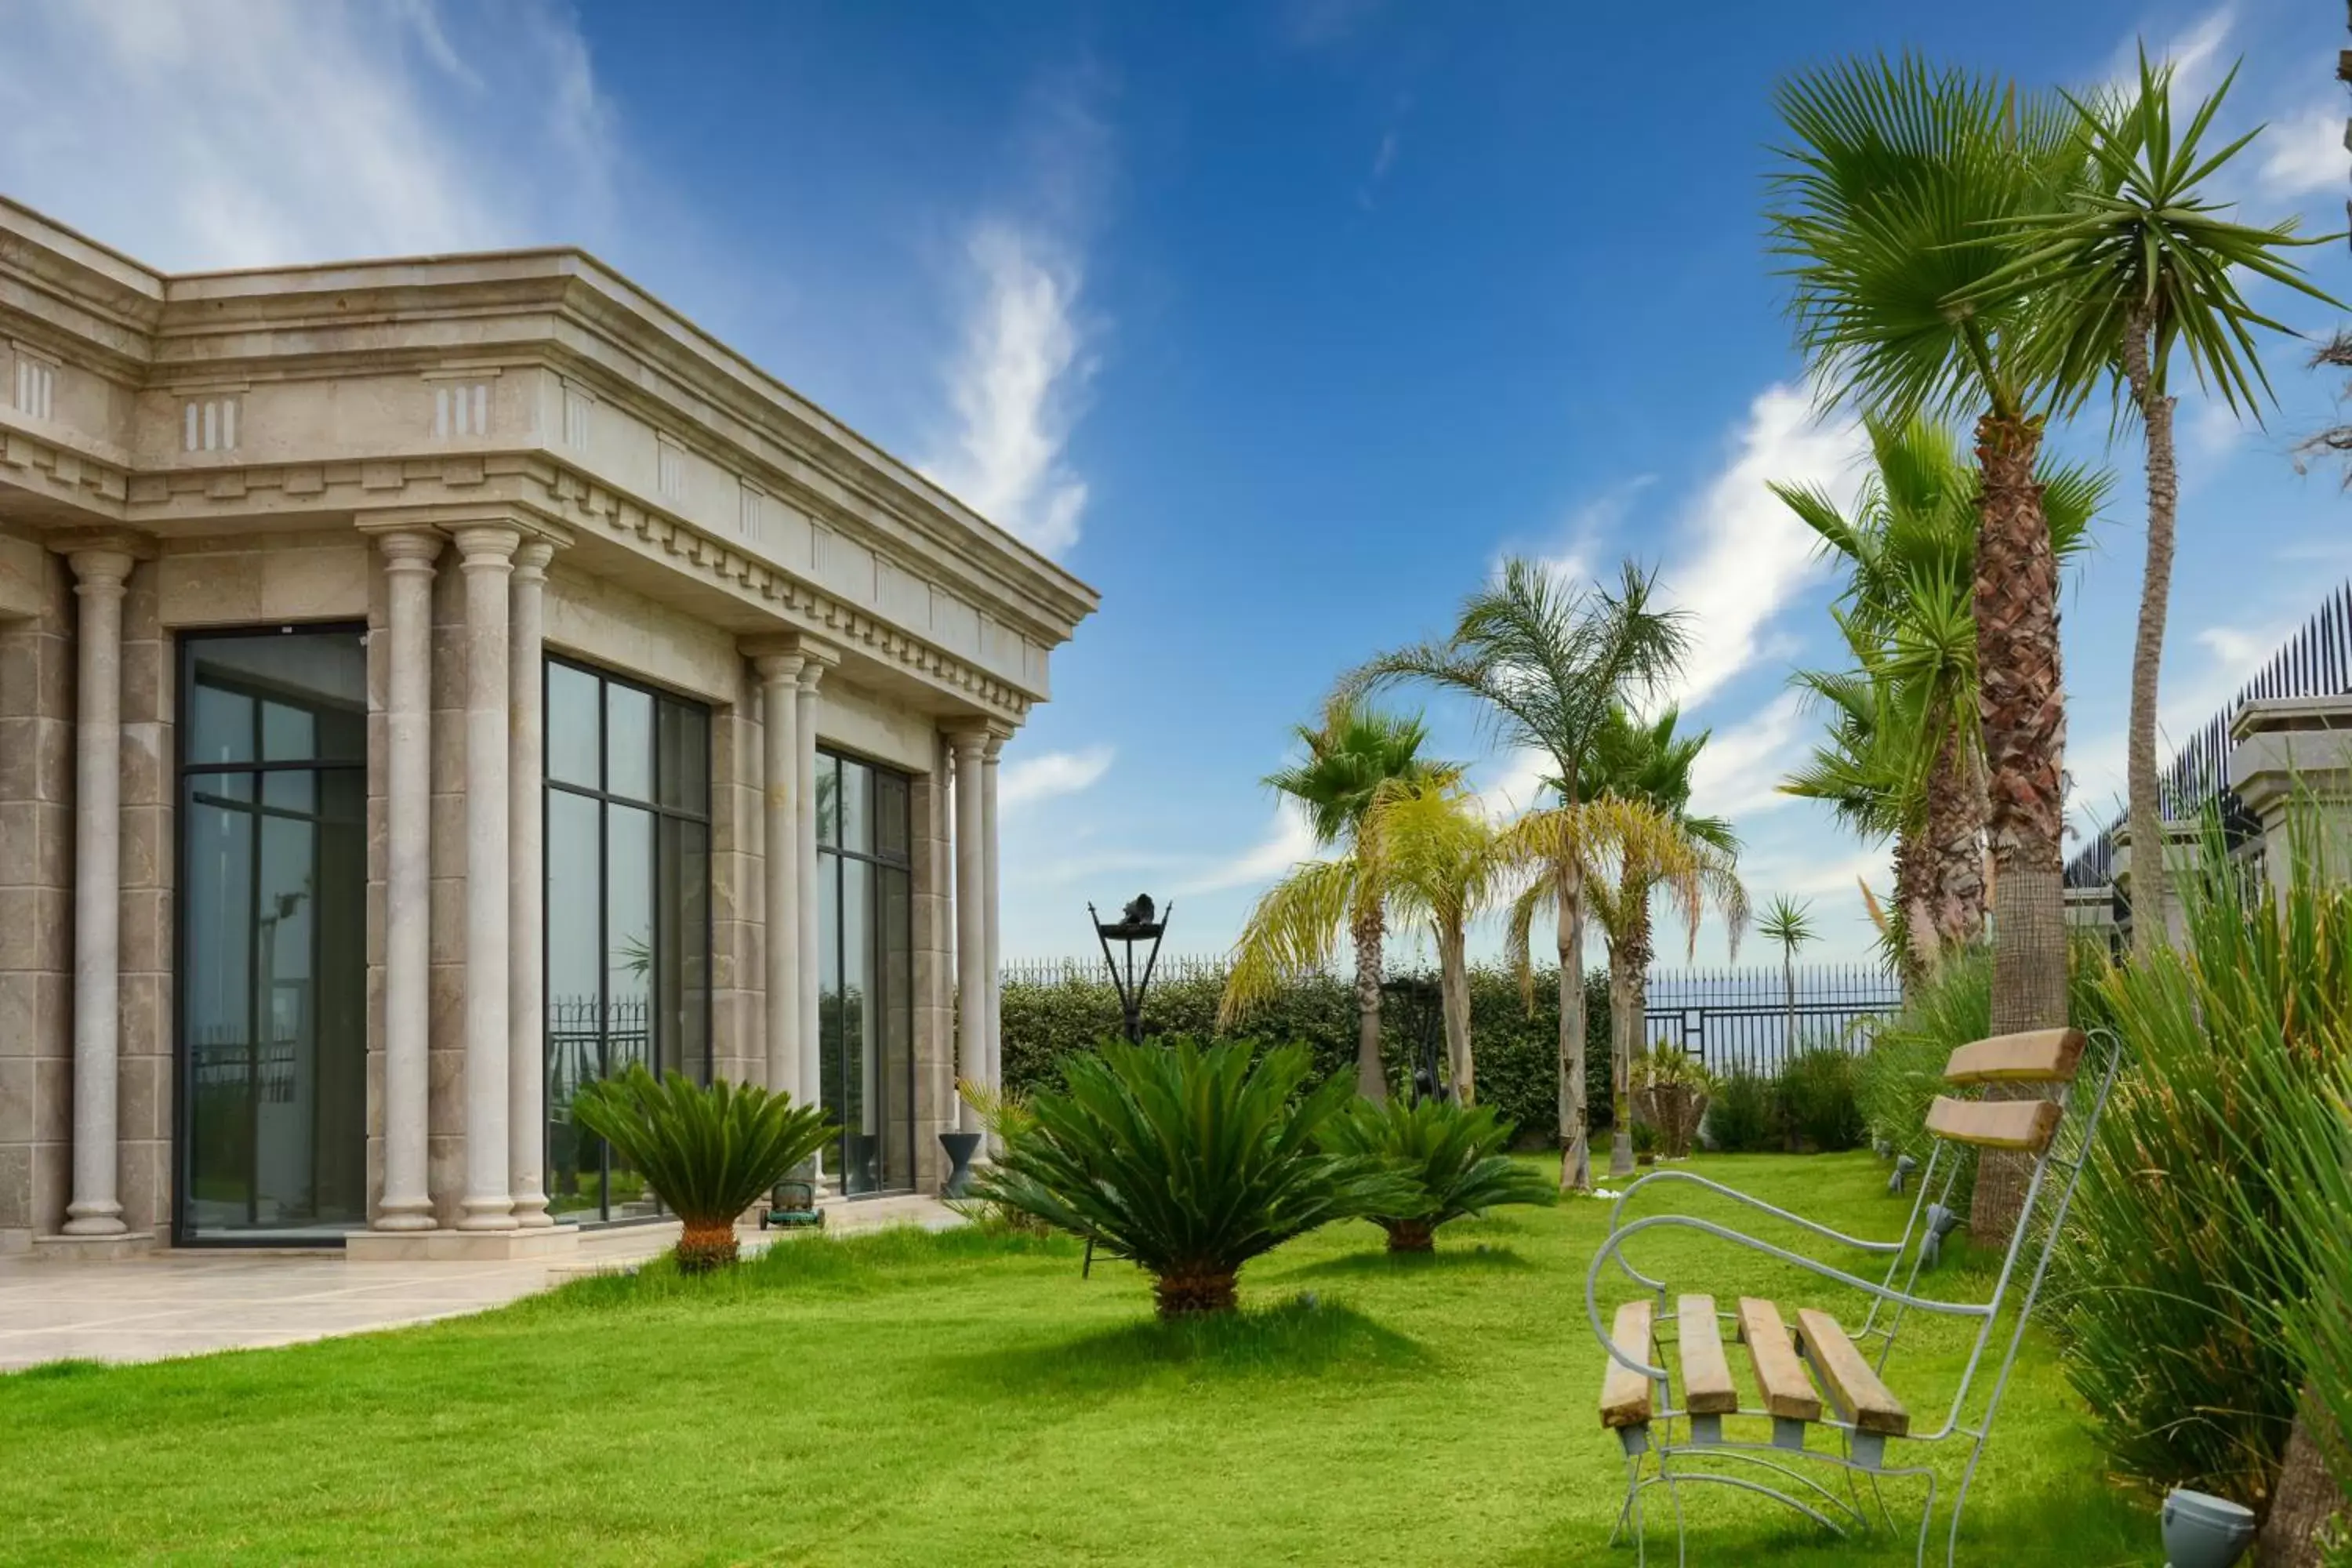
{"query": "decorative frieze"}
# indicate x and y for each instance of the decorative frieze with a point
(37, 384)
(461, 410)
(208, 424)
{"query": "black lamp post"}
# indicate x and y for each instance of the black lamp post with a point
(1422, 1002)
(1136, 923)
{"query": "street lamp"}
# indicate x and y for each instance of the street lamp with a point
(1136, 922)
(1420, 1001)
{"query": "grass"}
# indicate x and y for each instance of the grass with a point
(966, 1398)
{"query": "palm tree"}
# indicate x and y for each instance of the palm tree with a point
(1898, 200)
(1547, 662)
(1908, 548)
(2137, 264)
(1649, 765)
(1790, 923)
(1422, 846)
(1349, 756)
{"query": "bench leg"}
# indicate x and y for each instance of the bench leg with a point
(1788, 1434)
(1707, 1431)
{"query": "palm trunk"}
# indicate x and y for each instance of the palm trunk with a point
(2021, 701)
(1789, 981)
(2306, 1500)
(1914, 941)
(1453, 993)
(1372, 1078)
(2146, 808)
(1629, 966)
(1955, 849)
(1576, 1150)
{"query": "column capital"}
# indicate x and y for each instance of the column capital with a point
(409, 549)
(778, 669)
(968, 742)
(531, 557)
(77, 543)
(487, 543)
(97, 571)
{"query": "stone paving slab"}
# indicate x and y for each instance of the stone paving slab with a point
(176, 1303)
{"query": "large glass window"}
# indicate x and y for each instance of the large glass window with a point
(628, 913)
(865, 970)
(272, 978)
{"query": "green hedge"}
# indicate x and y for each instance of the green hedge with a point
(1516, 1052)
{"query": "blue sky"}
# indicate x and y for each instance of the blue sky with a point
(1279, 323)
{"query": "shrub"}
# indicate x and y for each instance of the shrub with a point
(1741, 1118)
(1815, 1091)
(1454, 1156)
(1670, 1092)
(1045, 1022)
(709, 1154)
(1190, 1161)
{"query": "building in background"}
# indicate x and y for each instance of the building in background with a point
(429, 685)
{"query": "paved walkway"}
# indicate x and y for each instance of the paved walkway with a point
(187, 1302)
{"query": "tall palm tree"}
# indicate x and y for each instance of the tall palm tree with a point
(1349, 756)
(1897, 201)
(1908, 548)
(1649, 765)
(1788, 923)
(1423, 849)
(2138, 263)
(1546, 661)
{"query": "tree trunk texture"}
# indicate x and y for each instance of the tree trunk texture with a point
(2021, 701)
(1372, 1078)
(1575, 1134)
(1955, 848)
(1629, 964)
(2306, 1500)
(1193, 1294)
(1453, 1001)
(706, 1247)
(1411, 1235)
(2145, 808)
(1914, 938)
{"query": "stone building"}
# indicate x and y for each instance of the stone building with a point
(426, 685)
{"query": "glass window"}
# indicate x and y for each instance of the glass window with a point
(628, 913)
(866, 974)
(856, 807)
(828, 798)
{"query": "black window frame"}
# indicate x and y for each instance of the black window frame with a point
(652, 804)
(900, 861)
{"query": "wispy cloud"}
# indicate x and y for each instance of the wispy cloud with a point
(1289, 841)
(1744, 555)
(2303, 153)
(1052, 773)
(1323, 24)
(1019, 381)
(1739, 774)
(302, 130)
(2194, 54)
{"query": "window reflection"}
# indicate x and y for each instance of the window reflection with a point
(865, 974)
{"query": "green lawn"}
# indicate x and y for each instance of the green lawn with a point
(962, 1400)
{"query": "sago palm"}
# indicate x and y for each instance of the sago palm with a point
(1189, 1160)
(1456, 1156)
(1348, 756)
(708, 1153)
(1893, 205)
(2140, 262)
(1546, 662)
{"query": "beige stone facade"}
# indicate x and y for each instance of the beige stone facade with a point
(394, 446)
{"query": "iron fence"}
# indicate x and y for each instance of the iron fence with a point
(2316, 661)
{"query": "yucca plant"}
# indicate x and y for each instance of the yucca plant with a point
(1453, 1155)
(708, 1153)
(1670, 1094)
(1189, 1162)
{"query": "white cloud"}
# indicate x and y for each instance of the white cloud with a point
(2194, 55)
(2095, 765)
(2304, 152)
(301, 130)
(1290, 840)
(1737, 774)
(1051, 773)
(1746, 554)
(1017, 387)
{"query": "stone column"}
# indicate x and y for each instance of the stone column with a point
(811, 1079)
(993, 1066)
(408, 561)
(2290, 768)
(972, 914)
(487, 550)
(527, 891)
(780, 833)
(94, 1209)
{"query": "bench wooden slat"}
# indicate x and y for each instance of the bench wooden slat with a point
(1706, 1376)
(2024, 1124)
(2037, 1055)
(1780, 1376)
(1624, 1392)
(1848, 1377)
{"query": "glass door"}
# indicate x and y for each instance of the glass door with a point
(866, 1020)
(272, 977)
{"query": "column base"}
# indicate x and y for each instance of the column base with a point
(552, 1241)
(94, 1249)
(530, 1214)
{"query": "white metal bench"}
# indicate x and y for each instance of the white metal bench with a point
(1813, 1377)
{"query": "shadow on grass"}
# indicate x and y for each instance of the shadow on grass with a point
(1382, 1264)
(872, 1261)
(1304, 1337)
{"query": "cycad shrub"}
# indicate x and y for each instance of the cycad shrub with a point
(1670, 1092)
(708, 1153)
(1815, 1091)
(1190, 1161)
(1741, 1118)
(1455, 1156)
